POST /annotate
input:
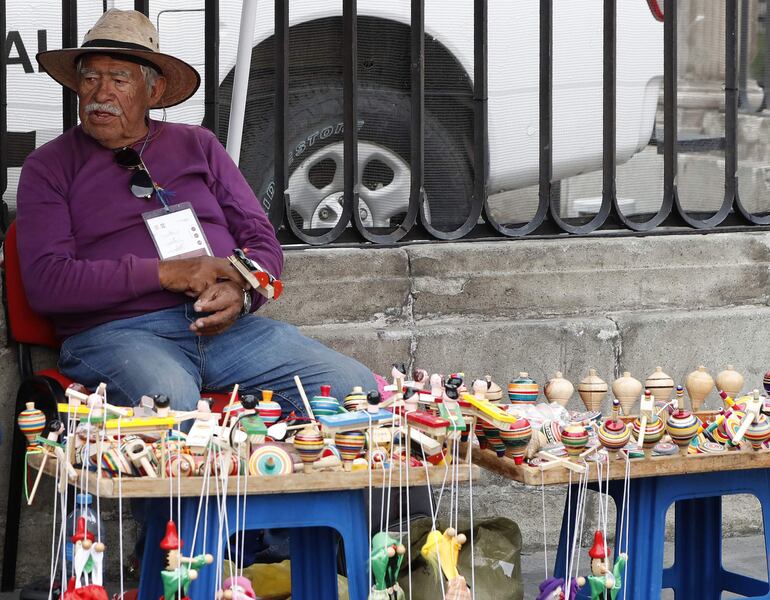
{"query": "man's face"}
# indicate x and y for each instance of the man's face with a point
(113, 100)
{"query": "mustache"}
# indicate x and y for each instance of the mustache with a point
(103, 107)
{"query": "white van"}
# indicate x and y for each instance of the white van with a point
(315, 113)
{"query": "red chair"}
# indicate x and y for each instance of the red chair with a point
(45, 388)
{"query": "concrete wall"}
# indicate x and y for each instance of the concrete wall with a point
(499, 308)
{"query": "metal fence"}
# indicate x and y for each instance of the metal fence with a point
(388, 186)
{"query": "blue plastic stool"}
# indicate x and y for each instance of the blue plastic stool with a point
(697, 571)
(312, 518)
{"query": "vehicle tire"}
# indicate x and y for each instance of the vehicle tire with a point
(315, 153)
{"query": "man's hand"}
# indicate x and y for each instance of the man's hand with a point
(192, 276)
(224, 301)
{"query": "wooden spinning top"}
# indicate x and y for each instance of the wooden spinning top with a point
(660, 385)
(31, 422)
(730, 381)
(309, 444)
(575, 438)
(523, 390)
(559, 390)
(682, 426)
(698, 385)
(592, 390)
(627, 389)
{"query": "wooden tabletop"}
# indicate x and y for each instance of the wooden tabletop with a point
(322, 481)
(658, 466)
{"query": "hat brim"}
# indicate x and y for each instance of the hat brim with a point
(182, 80)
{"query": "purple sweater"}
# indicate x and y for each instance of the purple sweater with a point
(86, 255)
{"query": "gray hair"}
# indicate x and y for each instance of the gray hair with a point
(150, 74)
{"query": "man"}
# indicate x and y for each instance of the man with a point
(123, 225)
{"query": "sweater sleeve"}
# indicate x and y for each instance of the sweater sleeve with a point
(55, 280)
(247, 222)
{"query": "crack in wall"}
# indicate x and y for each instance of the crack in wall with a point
(617, 348)
(409, 313)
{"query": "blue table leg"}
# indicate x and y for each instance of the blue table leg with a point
(314, 563)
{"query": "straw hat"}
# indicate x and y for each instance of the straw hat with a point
(126, 35)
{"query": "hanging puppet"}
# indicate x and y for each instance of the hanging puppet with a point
(442, 551)
(86, 583)
(605, 580)
(180, 571)
(386, 559)
(553, 588)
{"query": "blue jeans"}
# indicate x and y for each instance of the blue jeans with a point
(156, 353)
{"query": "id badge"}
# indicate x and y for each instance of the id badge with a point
(176, 232)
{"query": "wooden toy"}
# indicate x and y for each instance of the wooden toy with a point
(441, 551)
(559, 390)
(350, 445)
(486, 411)
(646, 416)
(682, 426)
(758, 432)
(516, 440)
(730, 381)
(256, 276)
(698, 385)
(660, 385)
(592, 390)
(179, 570)
(237, 588)
(87, 561)
(766, 382)
(355, 400)
(605, 579)
(139, 454)
(493, 439)
(51, 446)
(523, 390)
(553, 588)
(574, 437)
(614, 433)
(360, 419)
(270, 460)
(386, 558)
(494, 392)
(627, 390)
(309, 443)
(31, 422)
(753, 408)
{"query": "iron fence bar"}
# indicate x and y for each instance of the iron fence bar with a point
(143, 6)
(69, 20)
(417, 133)
(211, 65)
(275, 211)
(743, 58)
(349, 137)
(542, 205)
(609, 107)
(480, 128)
(670, 108)
(546, 105)
(766, 82)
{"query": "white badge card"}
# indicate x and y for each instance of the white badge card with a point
(176, 232)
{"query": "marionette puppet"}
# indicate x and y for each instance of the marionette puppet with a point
(605, 580)
(180, 571)
(553, 588)
(442, 551)
(87, 560)
(386, 559)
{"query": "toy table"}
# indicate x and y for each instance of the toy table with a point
(310, 504)
(695, 484)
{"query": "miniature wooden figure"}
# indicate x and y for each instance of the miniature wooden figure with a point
(87, 557)
(698, 385)
(494, 392)
(592, 390)
(180, 571)
(627, 390)
(553, 588)
(558, 389)
(660, 385)
(730, 381)
(237, 588)
(605, 580)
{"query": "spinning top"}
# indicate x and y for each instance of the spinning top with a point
(309, 443)
(653, 431)
(730, 381)
(766, 382)
(350, 445)
(682, 426)
(698, 384)
(559, 390)
(31, 422)
(494, 392)
(249, 402)
(758, 432)
(575, 438)
(523, 390)
(373, 400)
(627, 390)
(592, 390)
(269, 460)
(613, 433)
(355, 400)
(494, 441)
(660, 385)
(324, 404)
(516, 439)
(269, 410)
(162, 404)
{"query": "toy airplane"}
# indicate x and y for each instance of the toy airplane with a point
(259, 279)
(486, 411)
(424, 421)
(356, 420)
